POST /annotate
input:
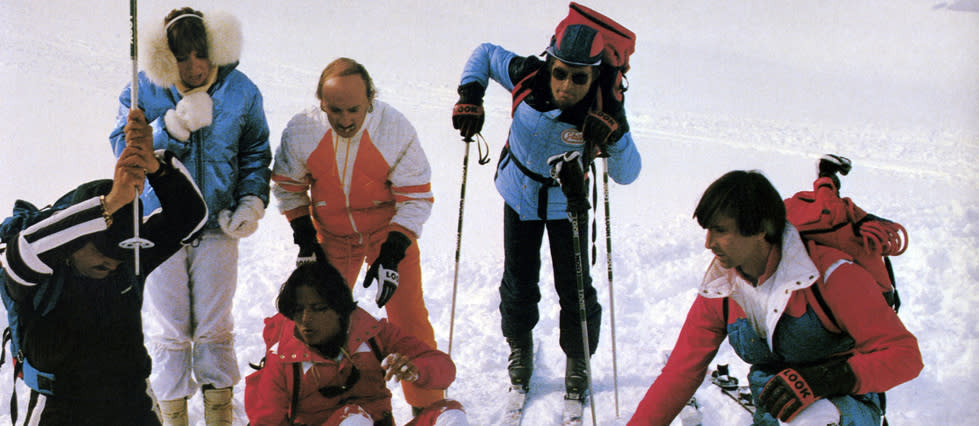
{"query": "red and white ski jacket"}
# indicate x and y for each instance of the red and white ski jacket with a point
(884, 353)
(380, 177)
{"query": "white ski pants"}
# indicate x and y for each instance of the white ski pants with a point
(191, 296)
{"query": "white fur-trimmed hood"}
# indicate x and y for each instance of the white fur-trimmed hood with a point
(224, 40)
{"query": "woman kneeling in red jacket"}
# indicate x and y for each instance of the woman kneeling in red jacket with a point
(328, 361)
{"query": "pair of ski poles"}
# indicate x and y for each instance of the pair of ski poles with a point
(578, 268)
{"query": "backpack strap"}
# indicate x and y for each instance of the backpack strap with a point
(13, 394)
(375, 349)
(822, 304)
(294, 403)
(7, 337)
(893, 299)
(521, 90)
(31, 404)
(546, 182)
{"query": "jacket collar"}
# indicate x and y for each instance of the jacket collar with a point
(291, 349)
(795, 269)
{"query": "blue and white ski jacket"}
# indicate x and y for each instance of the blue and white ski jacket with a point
(535, 136)
(228, 159)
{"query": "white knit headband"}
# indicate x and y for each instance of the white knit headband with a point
(186, 15)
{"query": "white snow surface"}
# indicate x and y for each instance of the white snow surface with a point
(714, 86)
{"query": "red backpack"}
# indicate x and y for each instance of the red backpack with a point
(824, 218)
(620, 42)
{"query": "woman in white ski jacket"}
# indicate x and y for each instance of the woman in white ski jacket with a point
(211, 116)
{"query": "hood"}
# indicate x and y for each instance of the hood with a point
(224, 41)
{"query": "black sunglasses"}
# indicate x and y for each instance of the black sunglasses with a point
(335, 391)
(579, 78)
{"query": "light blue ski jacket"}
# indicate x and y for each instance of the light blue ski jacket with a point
(537, 135)
(228, 159)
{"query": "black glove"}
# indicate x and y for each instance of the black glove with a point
(568, 171)
(304, 235)
(385, 267)
(601, 130)
(792, 390)
(468, 114)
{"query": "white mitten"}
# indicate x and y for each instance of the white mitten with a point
(244, 220)
(193, 112)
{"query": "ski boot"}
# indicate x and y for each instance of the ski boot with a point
(217, 406)
(174, 412)
(831, 164)
(576, 379)
(521, 361)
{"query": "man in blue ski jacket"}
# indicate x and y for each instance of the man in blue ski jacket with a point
(556, 116)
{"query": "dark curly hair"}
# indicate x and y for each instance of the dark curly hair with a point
(328, 284)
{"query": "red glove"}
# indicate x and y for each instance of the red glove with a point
(468, 119)
(793, 389)
(600, 129)
(468, 115)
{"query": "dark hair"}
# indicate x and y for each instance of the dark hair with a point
(106, 242)
(346, 66)
(749, 198)
(186, 35)
(326, 281)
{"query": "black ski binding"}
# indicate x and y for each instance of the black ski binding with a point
(721, 378)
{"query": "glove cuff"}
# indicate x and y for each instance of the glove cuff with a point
(623, 128)
(175, 126)
(395, 246)
(832, 378)
(253, 204)
(303, 232)
(471, 93)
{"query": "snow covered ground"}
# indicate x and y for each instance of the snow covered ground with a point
(715, 86)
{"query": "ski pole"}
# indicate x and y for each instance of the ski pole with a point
(135, 243)
(455, 278)
(611, 296)
(580, 274)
